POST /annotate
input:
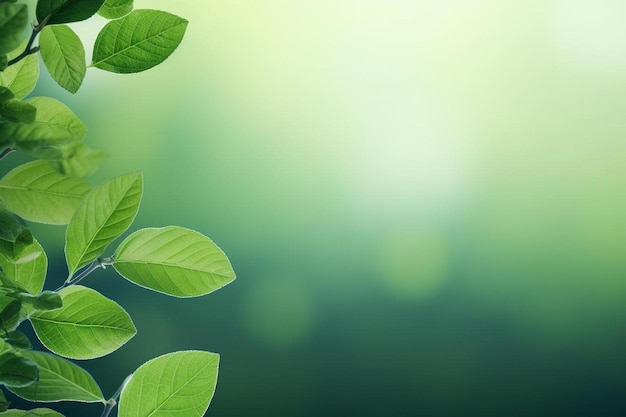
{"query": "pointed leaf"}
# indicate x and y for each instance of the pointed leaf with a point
(22, 76)
(13, 21)
(37, 412)
(47, 300)
(105, 214)
(88, 325)
(63, 54)
(16, 371)
(25, 262)
(66, 11)
(173, 385)
(114, 9)
(54, 124)
(173, 260)
(18, 111)
(11, 314)
(59, 380)
(37, 192)
(138, 41)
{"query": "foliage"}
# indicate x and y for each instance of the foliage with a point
(76, 322)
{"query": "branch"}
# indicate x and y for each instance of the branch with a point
(29, 46)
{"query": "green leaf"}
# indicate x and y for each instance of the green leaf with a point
(173, 260)
(66, 11)
(4, 62)
(54, 124)
(114, 9)
(18, 340)
(18, 111)
(88, 325)
(37, 192)
(22, 76)
(11, 314)
(63, 54)
(138, 41)
(59, 380)
(37, 412)
(106, 213)
(17, 371)
(10, 227)
(172, 385)
(47, 300)
(77, 159)
(5, 94)
(13, 21)
(25, 262)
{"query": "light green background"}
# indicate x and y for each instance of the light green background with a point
(424, 202)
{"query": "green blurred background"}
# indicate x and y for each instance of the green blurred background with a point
(424, 203)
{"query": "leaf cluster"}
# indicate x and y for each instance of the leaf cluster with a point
(75, 322)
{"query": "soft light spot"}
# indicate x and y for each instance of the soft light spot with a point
(413, 264)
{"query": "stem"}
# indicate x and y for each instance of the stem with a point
(98, 263)
(112, 402)
(5, 152)
(29, 46)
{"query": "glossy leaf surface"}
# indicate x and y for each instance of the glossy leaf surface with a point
(66, 11)
(25, 262)
(138, 41)
(114, 9)
(173, 385)
(106, 212)
(173, 260)
(63, 54)
(37, 192)
(59, 380)
(88, 325)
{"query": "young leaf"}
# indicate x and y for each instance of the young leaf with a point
(37, 412)
(138, 41)
(17, 371)
(11, 314)
(114, 9)
(47, 300)
(25, 262)
(172, 385)
(174, 261)
(37, 192)
(106, 213)
(59, 380)
(22, 76)
(63, 54)
(13, 20)
(54, 124)
(88, 325)
(66, 11)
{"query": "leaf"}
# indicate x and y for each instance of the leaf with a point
(10, 227)
(138, 41)
(63, 54)
(77, 159)
(106, 213)
(54, 124)
(13, 21)
(16, 371)
(37, 412)
(172, 385)
(4, 62)
(22, 76)
(173, 260)
(36, 192)
(5, 94)
(66, 11)
(59, 380)
(18, 340)
(88, 325)
(11, 314)
(114, 9)
(47, 300)
(25, 262)
(18, 111)
(4, 404)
